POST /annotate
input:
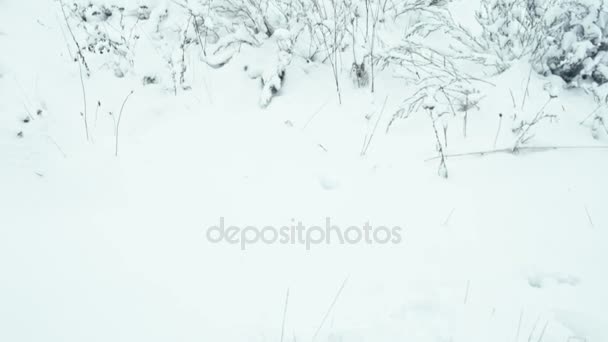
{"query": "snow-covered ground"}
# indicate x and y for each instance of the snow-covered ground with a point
(98, 247)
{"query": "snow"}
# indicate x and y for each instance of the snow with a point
(98, 247)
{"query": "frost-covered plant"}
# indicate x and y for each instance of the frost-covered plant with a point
(442, 91)
(101, 30)
(466, 98)
(273, 72)
(434, 75)
(523, 129)
(598, 126)
(442, 169)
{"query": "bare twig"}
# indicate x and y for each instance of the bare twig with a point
(533, 329)
(589, 216)
(182, 75)
(512, 98)
(314, 337)
(118, 121)
(523, 101)
(498, 130)
(542, 333)
(525, 148)
(449, 100)
(447, 219)
(443, 169)
(97, 111)
(521, 316)
(284, 315)
(540, 115)
(591, 114)
(369, 141)
(57, 145)
(314, 115)
(78, 49)
(84, 102)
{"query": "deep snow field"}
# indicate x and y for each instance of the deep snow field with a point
(94, 247)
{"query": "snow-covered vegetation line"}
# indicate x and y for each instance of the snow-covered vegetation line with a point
(474, 132)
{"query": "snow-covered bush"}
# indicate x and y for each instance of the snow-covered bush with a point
(576, 41)
(157, 40)
(565, 38)
(510, 30)
(271, 72)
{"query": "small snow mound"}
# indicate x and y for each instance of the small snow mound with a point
(328, 182)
